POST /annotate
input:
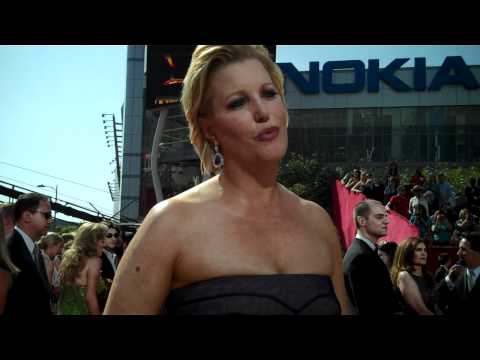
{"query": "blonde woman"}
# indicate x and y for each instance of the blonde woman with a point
(240, 242)
(51, 245)
(7, 269)
(80, 272)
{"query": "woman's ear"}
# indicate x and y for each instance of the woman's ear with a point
(207, 129)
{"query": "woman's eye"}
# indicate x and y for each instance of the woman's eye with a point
(236, 103)
(269, 93)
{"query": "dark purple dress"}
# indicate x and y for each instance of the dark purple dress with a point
(278, 294)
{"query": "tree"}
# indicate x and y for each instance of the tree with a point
(308, 179)
(458, 176)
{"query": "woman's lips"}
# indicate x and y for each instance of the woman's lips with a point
(268, 134)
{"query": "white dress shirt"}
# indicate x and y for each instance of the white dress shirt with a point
(473, 274)
(111, 256)
(28, 241)
(368, 242)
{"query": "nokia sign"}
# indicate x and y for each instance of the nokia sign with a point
(453, 71)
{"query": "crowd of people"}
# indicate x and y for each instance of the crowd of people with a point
(441, 216)
(388, 278)
(69, 273)
(240, 243)
(404, 285)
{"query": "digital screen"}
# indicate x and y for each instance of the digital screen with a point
(166, 69)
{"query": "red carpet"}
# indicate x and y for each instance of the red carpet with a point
(343, 205)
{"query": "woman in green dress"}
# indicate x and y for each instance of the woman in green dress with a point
(80, 283)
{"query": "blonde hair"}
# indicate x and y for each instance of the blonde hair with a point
(83, 246)
(50, 239)
(5, 261)
(463, 213)
(207, 59)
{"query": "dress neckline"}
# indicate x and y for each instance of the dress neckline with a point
(251, 276)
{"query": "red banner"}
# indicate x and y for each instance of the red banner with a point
(344, 203)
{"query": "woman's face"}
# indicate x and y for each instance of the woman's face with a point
(100, 246)
(420, 255)
(247, 116)
(54, 250)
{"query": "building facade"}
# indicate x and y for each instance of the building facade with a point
(346, 113)
(352, 124)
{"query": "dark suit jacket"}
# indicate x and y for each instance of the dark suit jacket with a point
(459, 301)
(29, 295)
(107, 269)
(440, 274)
(367, 281)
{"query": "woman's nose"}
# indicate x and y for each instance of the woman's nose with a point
(260, 111)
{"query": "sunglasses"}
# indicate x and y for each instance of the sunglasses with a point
(110, 235)
(46, 215)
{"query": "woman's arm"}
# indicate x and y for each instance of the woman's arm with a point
(358, 187)
(49, 267)
(93, 274)
(352, 182)
(143, 279)
(346, 178)
(389, 206)
(5, 283)
(410, 292)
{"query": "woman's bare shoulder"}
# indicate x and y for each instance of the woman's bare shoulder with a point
(170, 220)
(5, 279)
(4, 274)
(310, 209)
(297, 200)
(315, 215)
(93, 262)
(182, 206)
(405, 277)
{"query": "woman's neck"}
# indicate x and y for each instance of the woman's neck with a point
(417, 270)
(250, 190)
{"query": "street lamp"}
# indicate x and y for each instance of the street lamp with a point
(56, 193)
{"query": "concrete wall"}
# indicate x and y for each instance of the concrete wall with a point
(133, 122)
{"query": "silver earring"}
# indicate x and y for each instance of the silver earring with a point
(217, 158)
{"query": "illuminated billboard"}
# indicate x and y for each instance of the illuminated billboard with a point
(166, 67)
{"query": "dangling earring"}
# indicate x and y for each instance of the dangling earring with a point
(217, 158)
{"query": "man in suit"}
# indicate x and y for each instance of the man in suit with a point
(366, 277)
(30, 293)
(109, 257)
(445, 263)
(459, 292)
(109, 260)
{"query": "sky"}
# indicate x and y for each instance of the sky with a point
(52, 99)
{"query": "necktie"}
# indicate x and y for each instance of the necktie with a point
(38, 257)
(470, 280)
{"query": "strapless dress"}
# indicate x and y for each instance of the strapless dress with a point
(277, 294)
